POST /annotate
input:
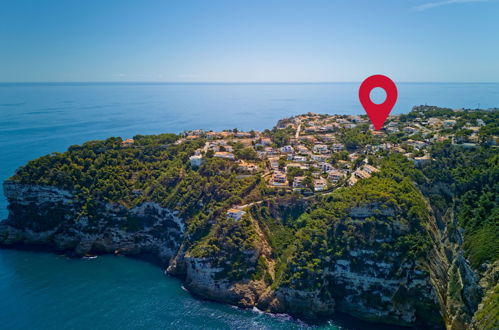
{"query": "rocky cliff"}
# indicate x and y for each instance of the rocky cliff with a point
(362, 267)
(51, 216)
(366, 278)
(363, 280)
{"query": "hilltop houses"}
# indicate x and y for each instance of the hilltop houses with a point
(315, 142)
(337, 147)
(224, 155)
(287, 149)
(320, 149)
(298, 183)
(335, 175)
(320, 184)
(279, 179)
(127, 143)
(247, 167)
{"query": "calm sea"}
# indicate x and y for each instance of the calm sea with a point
(47, 291)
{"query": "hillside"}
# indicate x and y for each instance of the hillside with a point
(319, 214)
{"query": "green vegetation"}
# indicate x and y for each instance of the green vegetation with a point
(488, 316)
(153, 169)
(246, 154)
(306, 242)
(310, 235)
(472, 179)
(229, 246)
(356, 137)
(281, 136)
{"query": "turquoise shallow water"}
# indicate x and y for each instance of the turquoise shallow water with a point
(46, 291)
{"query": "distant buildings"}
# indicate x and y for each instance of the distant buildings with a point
(264, 142)
(449, 123)
(337, 147)
(298, 182)
(224, 155)
(352, 180)
(418, 161)
(279, 179)
(325, 167)
(127, 143)
(410, 130)
(287, 149)
(212, 135)
(310, 149)
(247, 167)
(302, 150)
(320, 148)
(370, 169)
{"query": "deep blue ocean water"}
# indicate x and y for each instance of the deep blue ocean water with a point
(46, 291)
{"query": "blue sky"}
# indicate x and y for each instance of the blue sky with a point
(249, 41)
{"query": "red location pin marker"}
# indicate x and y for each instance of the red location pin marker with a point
(378, 112)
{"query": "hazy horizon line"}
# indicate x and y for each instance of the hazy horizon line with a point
(239, 82)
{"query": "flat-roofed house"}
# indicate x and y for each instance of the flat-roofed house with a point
(287, 149)
(212, 135)
(242, 134)
(319, 158)
(335, 175)
(361, 174)
(270, 151)
(320, 184)
(325, 167)
(300, 158)
(196, 160)
(297, 165)
(127, 143)
(235, 214)
(302, 150)
(274, 162)
(352, 180)
(279, 179)
(449, 123)
(224, 155)
(320, 148)
(418, 161)
(410, 130)
(370, 169)
(265, 142)
(247, 167)
(337, 147)
(298, 182)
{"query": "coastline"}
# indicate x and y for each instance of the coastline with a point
(338, 318)
(150, 226)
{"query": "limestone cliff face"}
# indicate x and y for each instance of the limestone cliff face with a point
(203, 279)
(455, 283)
(50, 216)
(366, 280)
(369, 280)
(304, 303)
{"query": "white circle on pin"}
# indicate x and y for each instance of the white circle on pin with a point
(377, 95)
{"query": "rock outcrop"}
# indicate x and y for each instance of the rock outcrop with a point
(455, 283)
(366, 281)
(51, 216)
